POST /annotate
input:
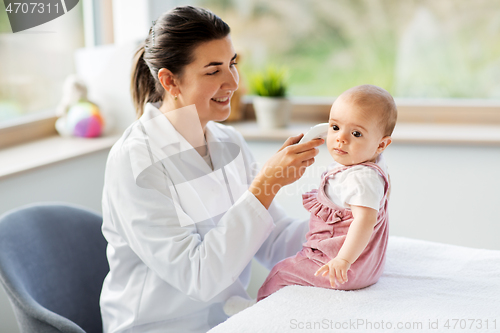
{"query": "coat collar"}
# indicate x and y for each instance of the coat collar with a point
(162, 141)
(163, 134)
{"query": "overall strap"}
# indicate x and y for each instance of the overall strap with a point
(381, 172)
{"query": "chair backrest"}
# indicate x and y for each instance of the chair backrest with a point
(52, 265)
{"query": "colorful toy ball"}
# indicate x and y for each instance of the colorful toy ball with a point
(84, 120)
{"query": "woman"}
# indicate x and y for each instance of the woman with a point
(184, 211)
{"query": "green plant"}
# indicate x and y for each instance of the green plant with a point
(269, 83)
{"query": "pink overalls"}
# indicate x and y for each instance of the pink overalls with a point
(328, 228)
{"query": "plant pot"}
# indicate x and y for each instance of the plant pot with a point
(272, 112)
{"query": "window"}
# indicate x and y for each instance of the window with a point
(34, 64)
(413, 48)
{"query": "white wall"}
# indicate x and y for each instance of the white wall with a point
(78, 180)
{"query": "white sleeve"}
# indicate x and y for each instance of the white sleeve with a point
(146, 220)
(289, 233)
(285, 240)
(361, 186)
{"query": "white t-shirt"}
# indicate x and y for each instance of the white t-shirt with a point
(359, 186)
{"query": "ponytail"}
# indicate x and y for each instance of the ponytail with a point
(142, 86)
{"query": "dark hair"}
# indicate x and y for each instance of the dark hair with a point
(170, 44)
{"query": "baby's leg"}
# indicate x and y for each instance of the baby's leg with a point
(298, 270)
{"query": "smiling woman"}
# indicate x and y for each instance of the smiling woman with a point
(184, 208)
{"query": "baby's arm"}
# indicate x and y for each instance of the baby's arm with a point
(357, 238)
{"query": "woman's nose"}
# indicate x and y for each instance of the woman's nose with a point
(231, 80)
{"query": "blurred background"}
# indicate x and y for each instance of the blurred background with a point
(413, 48)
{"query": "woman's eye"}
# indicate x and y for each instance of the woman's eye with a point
(335, 127)
(212, 73)
(357, 134)
(234, 64)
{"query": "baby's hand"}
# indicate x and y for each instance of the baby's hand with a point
(338, 270)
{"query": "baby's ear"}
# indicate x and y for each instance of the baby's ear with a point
(384, 143)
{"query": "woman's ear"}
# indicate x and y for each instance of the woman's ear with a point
(168, 81)
(384, 143)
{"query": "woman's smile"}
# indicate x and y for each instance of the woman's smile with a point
(222, 100)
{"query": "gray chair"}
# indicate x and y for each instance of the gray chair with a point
(52, 265)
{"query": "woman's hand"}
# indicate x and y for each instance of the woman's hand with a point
(284, 167)
(337, 268)
(291, 161)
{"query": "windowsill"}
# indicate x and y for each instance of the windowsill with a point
(27, 129)
(54, 149)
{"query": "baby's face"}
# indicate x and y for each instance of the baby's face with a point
(354, 135)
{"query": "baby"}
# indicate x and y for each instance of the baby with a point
(348, 229)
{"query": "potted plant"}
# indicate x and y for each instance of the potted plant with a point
(272, 108)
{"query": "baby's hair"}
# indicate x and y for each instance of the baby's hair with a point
(170, 44)
(375, 99)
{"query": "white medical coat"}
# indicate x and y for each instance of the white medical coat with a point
(180, 245)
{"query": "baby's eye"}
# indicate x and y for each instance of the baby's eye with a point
(357, 134)
(335, 127)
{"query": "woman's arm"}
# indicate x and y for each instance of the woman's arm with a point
(146, 220)
(357, 239)
(140, 213)
(285, 240)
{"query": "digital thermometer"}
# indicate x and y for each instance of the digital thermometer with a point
(317, 131)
